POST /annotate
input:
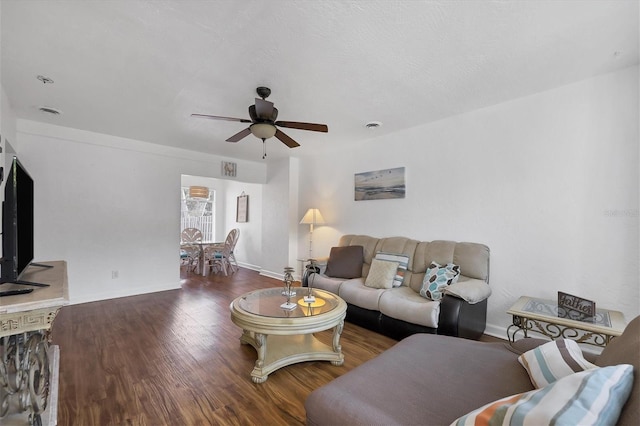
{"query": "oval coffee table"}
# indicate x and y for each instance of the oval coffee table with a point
(284, 337)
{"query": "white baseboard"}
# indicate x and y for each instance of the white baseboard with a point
(270, 274)
(497, 331)
(130, 291)
(249, 266)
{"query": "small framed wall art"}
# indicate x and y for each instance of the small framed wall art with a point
(229, 169)
(242, 212)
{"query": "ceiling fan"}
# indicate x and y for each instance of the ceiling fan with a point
(263, 122)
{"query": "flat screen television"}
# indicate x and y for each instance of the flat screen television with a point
(17, 225)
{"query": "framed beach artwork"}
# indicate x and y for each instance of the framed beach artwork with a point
(380, 184)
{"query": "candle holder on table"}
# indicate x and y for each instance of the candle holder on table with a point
(288, 291)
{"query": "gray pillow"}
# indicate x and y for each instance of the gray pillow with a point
(345, 262)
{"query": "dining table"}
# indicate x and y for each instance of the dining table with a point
(202, 244)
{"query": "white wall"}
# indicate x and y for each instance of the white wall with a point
(280, 217)
(108, 204)
(248, 251)
(549, 182)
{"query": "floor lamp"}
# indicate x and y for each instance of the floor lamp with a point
(312, 217)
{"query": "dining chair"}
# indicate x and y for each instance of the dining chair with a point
(190, 235)
(190, 253)
(220, 257)
(189, 256)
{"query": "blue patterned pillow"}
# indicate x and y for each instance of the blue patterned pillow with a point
(437, 278)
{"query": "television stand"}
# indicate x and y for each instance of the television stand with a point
(30, 283)
(40, 265)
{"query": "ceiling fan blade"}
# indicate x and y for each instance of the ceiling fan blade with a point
(235, 138)
(217, 117)
(303, 126)
(264, 109)
(286, 139)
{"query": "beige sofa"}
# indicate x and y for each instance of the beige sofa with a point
(402, 311)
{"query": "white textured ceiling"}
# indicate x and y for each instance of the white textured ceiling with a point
(138, 69)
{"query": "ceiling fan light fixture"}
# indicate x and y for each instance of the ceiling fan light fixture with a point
(263, 130)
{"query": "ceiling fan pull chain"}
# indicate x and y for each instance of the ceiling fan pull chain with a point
(264, 149)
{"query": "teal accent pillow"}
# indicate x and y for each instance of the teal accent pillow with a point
(437, 278)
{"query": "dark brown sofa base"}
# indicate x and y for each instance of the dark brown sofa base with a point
(457, 318)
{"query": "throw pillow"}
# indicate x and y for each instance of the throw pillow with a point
(437, 278)
(592, 397)
(345, 262)
(403, 264)
(472, 291)
(381, 274)
(552, 361)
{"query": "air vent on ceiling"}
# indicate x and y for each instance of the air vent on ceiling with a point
(373, 125)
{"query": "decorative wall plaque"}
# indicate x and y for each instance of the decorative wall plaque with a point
(229, 169)
(575, 308)
(242, 214)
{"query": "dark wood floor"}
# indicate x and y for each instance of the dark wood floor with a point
(174, 358)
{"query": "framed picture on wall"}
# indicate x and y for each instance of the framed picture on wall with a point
(242, 212)
(380, 184)
(229, 169)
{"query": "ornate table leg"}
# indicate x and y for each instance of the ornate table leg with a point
(337, 348)
(518, 324)
(260, 344)
(25, 372)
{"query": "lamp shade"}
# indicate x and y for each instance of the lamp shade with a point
(312, 217)
(198, 192)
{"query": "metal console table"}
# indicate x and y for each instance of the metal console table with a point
(541, 316)
(28, 372)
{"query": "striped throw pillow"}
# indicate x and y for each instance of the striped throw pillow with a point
(552, 361)
(591, 397)
(403, 264)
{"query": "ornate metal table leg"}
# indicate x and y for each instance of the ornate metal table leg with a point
(518, 324)
(25, 373)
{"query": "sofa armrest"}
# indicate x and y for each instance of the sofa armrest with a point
(472, 291)
(459, 318)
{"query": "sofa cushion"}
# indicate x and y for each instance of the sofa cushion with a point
(473, 259)
(592, 397)
(356, 293)
(553, 361)
(405, 304)
(437, 378)
(381, 274)
(470, 290)
(403, 263)
(345, 262)
(437, 278)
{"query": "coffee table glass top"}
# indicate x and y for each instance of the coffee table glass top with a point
(266, 302)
